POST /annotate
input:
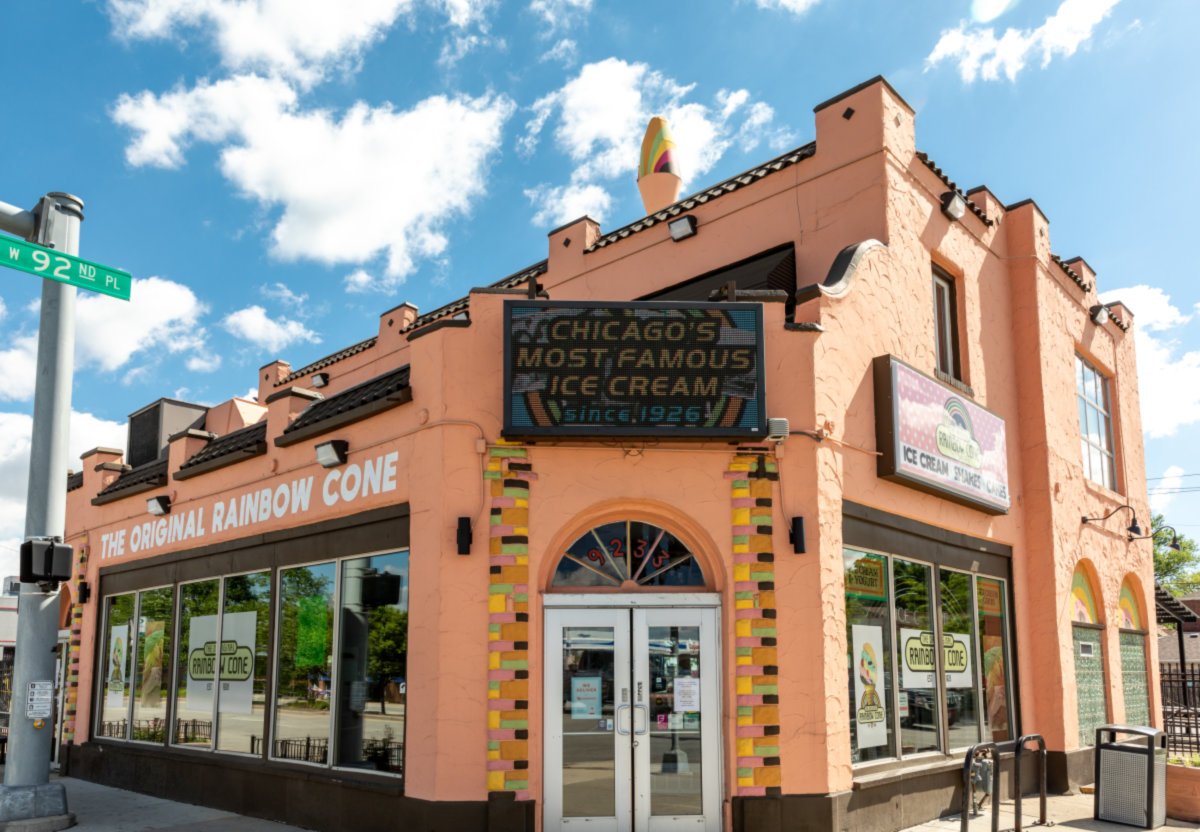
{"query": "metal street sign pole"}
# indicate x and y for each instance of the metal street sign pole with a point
(27, 792)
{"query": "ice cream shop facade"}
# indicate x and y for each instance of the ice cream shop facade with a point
(753, 514)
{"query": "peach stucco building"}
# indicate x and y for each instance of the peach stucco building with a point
(549, 557)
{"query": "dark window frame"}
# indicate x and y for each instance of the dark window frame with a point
(947, 343)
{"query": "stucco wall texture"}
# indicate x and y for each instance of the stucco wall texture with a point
(1021, 321)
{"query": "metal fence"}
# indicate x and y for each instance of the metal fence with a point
(1181, 708)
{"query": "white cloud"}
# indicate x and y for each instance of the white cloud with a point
(985, 11)
(602, 115)
(204, 363)
(280, 292)
(253, 325)
(160, 314)
(1168, 378)
(556, 206)
(1150, 305)
(16, 431)
(165, 125)
(1163, 492)
(359, 281)
(565, 52)
(559, 14)
(793, 6)
(980, 54)
(335, 179)
(296, 39)
(458, 47)
(18, 368)
(3, 310)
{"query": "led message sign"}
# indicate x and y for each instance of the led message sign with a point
(583, 368)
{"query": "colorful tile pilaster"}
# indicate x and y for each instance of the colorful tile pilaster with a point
(753, 474)
(510, 474)
(73, 650)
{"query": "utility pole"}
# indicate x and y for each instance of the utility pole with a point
(27, 793)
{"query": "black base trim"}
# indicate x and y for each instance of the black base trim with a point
(310, 798)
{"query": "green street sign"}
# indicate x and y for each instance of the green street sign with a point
(46, 262)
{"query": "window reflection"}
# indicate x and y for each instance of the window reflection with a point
(151, 665)
(993, 643)
(114, 709)
(869, 657)
(919, 706)
(958, 659)
(373, 649)
(243, 671)
(196, 681)
(304, 663)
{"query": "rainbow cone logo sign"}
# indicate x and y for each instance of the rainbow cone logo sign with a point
(870, 716)
(955, 438)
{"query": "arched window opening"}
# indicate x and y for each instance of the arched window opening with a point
(630, 555)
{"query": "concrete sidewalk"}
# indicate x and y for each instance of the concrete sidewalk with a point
(1072, 811)
(105, 809)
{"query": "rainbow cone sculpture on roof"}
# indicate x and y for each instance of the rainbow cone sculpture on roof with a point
(658, 172)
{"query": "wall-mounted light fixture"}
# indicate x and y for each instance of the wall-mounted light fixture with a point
(953, 205)
(85, 592)
(331, 454)
(796, 535)
(158, 506)
(1099, 314)
(1173, 545)
(1134, 529)
(682, 227)
(464, 535)
(319, 380)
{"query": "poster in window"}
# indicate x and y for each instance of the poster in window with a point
(585, 697)
(118, 666)
(869, 689)
(687, 694)
(236, 663)
(918, 660)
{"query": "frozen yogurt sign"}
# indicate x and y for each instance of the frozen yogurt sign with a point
(936, 439)
(245, 510)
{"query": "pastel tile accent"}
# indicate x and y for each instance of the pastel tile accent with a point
(759, 771)
(508, 619)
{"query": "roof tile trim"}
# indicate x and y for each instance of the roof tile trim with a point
(374, 395)
(686, 204)
(143, 478)
(1071, 273)
(226, 450)
(940, 174)
(321, 363)
(450, 309)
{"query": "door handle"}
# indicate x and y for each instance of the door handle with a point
(646, 719)
(619, 709)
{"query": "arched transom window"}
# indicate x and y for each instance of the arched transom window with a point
(630, 555)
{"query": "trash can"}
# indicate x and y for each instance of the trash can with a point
(1131, 776)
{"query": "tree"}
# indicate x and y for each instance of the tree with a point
(388, 648)
(1178, 572)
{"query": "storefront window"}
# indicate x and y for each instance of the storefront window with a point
(304, 663)
(242, 697)
(152, 669)
(196, 664)
(921, 730)
(373, 655)
(869, 660)
(959, 662)
(114, 709)
(991, 601)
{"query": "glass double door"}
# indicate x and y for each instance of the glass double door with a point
(632, 719)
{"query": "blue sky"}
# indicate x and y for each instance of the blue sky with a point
(275, 174)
